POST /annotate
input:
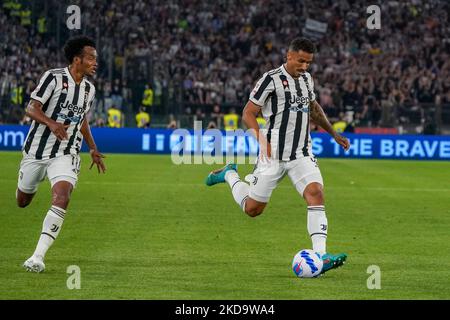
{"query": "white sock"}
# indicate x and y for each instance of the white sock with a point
(239, 189)
(318, 228)
(50, 230)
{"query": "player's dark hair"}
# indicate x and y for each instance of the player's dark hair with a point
(74, 46)
(303, 44)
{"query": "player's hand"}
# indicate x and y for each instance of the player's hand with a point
(97, 158)
(342, 141)
(265, 150)
(59, 130)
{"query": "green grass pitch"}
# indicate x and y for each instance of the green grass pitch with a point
(149, 229)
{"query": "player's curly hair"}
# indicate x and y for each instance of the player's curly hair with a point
(303, 44)
(74, 46)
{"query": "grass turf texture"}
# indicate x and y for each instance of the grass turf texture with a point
(149, 229)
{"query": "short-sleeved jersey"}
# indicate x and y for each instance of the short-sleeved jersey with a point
(65, 102)
(284, 103)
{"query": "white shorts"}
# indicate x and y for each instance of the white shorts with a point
(62, 168)
(266, 176)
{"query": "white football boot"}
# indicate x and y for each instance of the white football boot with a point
(34, 264)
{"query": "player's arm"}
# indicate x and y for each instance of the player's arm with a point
(249, 116)
(258, 97)
(34, 111)
(97, 157)
(318, 116)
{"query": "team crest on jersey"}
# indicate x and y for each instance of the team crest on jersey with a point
(64, 89)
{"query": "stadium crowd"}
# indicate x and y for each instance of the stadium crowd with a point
(215, 51)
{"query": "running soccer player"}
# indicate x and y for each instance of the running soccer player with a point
(58, 108)
(286, 98)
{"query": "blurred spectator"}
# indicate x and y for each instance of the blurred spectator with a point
(215, 118)
(340, 125)
(231, 120)
(115, 118)
(143, 118)
(147, 97)
(261, 121)
(116, 94)
(99, 122)
(199, 115)
(172, 122)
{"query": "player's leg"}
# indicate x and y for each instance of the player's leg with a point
(307, 179)
(251, 198)
(23, 199)
(254, 208)
(31, 173)
(317, 219)
(305, 175)
(62, 173)
(262, 182)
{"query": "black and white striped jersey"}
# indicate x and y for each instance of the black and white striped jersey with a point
(284, 103)
(63, 101)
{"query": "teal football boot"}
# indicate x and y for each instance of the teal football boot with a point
(218, 176)
(332, 261)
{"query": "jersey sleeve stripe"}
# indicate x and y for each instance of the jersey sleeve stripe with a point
(298, 124)
(31, 137)
(263, 87)
(274, 101)
(305, 145)
(284, 121)
(45, 84)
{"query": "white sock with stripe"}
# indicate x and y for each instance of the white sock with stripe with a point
(50, 230)
(318, 228)
(239, 189)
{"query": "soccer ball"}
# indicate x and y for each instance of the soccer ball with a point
(307, 264)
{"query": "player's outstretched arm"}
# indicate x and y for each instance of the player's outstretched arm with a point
(319, 117)
(97, 157)
(34, 111)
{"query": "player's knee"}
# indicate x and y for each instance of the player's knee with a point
(22, 203)
(254, 211)
(314, 195)
(61, 200)
(23, 200)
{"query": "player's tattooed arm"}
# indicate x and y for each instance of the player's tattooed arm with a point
(34, 111)
(318, 116)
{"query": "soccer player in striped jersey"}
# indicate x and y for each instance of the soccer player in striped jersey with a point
(286, 98)
(58, 108)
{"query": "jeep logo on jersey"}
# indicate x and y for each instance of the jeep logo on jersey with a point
(301, 104)
(72, 107)
(299, 100)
